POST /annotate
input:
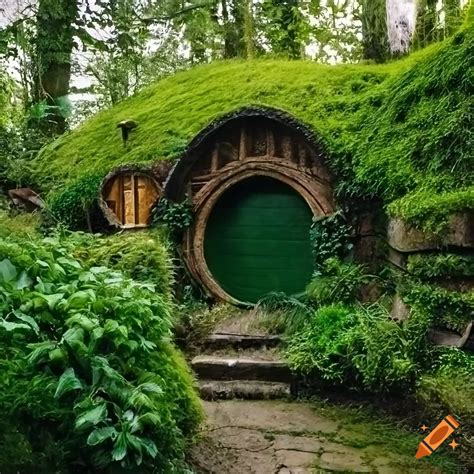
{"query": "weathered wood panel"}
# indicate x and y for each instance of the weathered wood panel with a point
(128, 199)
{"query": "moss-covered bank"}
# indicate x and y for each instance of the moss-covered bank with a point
(400, 131)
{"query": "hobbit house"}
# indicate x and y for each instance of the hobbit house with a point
(255, 179)
(258, 149)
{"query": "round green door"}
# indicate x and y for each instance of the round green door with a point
(257, 240)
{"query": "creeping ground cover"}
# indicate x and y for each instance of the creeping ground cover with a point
(89, 379)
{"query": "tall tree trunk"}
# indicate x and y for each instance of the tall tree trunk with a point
(452, 11)
(54, 43)
(374, 30)
(249, 29)
(426, 31)
(227, 30)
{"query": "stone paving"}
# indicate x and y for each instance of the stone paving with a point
(278, 437)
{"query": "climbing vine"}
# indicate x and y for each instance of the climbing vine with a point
(177, 217)
(330, 237)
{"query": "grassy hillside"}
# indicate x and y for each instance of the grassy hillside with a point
(171, 112)
(400, 131)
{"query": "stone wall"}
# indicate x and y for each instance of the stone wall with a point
(404, 241)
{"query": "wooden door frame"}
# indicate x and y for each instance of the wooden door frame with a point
(314, 193)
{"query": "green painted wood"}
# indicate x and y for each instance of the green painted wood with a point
(257, 240)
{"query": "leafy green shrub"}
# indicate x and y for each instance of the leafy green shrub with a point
(441, 265)
(387, 354)
(362, 347)
(330, 237)
(280, 313)
(337, 282)
(177, 217)
(87, 363)
(71, 205)
(320, 346)
(142, 255)
(449, 309)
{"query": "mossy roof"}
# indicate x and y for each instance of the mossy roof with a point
(401, 131)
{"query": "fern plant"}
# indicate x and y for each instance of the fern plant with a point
(338, 283)
(281, 313)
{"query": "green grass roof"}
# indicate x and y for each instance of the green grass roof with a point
(400, 131)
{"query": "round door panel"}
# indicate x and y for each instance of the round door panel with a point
(257, 240)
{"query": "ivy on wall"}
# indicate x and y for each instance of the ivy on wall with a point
(177, 217)
(330, 237)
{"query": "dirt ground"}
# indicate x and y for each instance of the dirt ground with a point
(278, 437)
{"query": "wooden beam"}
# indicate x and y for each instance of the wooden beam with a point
(134, 200)
(270, 142)
(215, 159)
(302, 155)
(287, 146)
(121, 201)
(243, 144)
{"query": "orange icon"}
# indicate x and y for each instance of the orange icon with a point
(437, 437)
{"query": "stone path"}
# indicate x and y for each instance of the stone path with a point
(253, 427)
(278, 437)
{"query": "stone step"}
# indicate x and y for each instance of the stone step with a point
(243, 389)
(240, 341)
(241, 368)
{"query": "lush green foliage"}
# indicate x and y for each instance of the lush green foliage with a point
(431, 209)
(319, 346)
(165, 126)
(23, 225)
(451, 309)
(87, 365)
(72, 206)
(451, 385)
(142, 256)
(330, 237)
(361, 347)
(337, 282)
(417, 149)
(427, 266)
(177, 217)
(283, 314)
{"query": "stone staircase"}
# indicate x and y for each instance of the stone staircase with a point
(242, 366)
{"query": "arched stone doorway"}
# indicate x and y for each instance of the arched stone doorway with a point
(255, 179)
